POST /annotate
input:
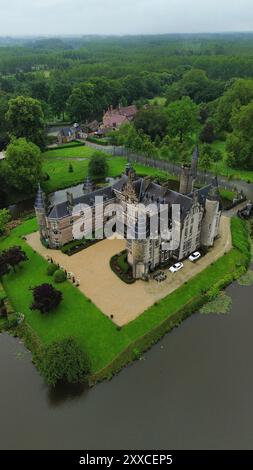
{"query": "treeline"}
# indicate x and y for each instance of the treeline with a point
(77, 79)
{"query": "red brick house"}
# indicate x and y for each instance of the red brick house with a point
(114, 118)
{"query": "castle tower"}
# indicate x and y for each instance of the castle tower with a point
(211, 220)
(189, 173)
(186, 181)
(41, 213)
(139, 249)
(129, 171)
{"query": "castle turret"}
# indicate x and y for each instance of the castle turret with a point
(186, 180)
(130, 172)
(211, 220)
(189, 173)
(41, 213)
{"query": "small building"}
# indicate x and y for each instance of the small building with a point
(66, 134)
(114, 118)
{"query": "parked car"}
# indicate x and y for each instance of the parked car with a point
(176, 267)
(194, 256)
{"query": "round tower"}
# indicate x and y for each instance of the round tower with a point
(41, 213)
(210, 224)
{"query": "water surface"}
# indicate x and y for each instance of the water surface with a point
(193, 390)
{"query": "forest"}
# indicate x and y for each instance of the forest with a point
(188, 88)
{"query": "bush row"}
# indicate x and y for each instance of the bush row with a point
(77, 245)
(97, 141)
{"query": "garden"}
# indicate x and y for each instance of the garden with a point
(107, 346)
(121, 268)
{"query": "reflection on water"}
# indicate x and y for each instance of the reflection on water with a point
(194, 389)
(66, 392)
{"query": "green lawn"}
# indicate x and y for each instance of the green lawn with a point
(56, 165)
(76, 316)
(69, 152)
(79, 318)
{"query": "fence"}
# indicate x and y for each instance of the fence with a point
(203, 178)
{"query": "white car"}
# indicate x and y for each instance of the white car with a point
(176, 267)
(194, 256)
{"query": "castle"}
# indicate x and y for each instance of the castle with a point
(200, 212)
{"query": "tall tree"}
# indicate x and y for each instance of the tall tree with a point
(98, 166)
(59, 94)
(152, 121)
(63, 360)
(240, 142)
(22, 166)
(26, 119)
(182, 118)
(80, 105)
(14, 256)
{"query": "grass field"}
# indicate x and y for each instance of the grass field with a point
(79, 318)
(56, 165)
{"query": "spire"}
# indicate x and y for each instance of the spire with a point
(213, 193)
(40, 199)
(87, 187)
(195, 155)
(195, 161)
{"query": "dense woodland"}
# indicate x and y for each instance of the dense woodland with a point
(189, 88)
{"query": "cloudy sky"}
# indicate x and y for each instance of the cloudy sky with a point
(51, 17)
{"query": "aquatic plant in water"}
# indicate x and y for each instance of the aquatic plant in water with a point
(220, 305)
(246, 279)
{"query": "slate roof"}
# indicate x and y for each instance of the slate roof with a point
(67, 131)
(146, 191)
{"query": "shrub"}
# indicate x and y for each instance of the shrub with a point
(12, 321)
(51, 269)
(59, 276)
(63, 360)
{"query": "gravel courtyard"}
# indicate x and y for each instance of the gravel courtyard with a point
(111, 295)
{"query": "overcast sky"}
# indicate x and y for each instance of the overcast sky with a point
(54, 17)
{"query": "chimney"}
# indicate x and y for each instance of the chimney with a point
(70, 199)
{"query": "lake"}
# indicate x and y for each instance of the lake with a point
(193, 390)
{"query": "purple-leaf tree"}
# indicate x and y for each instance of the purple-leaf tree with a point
(14, 256)
(46, 298)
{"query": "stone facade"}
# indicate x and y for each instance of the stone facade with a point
(200, 212)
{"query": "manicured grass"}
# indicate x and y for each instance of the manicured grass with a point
(76, 316)
(69, 152)
(56, 165)
(79, 318)
(60, 177)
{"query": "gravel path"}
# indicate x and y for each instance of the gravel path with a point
(108, 292)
